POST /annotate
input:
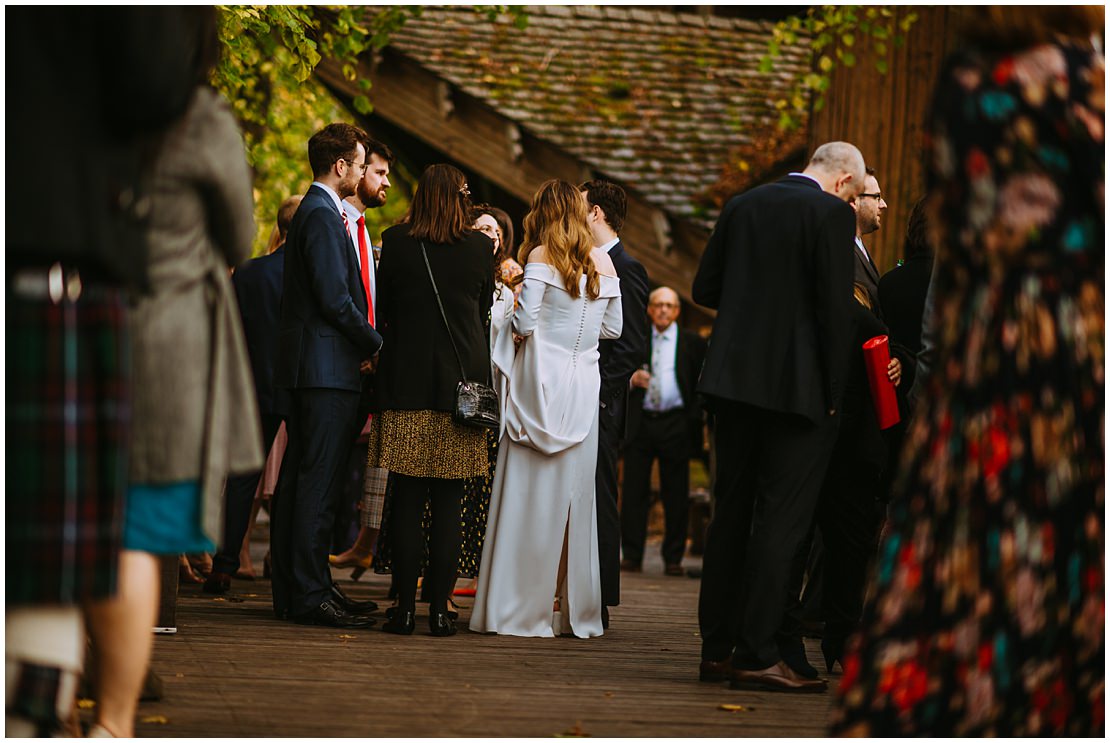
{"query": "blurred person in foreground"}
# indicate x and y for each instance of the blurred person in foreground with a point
(986, 615)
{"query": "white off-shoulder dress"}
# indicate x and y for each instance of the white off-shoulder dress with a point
(544, 486)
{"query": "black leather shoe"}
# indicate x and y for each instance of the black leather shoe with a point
(794, 655)
(330, 614)
(349, 605)
(833, 650)
(451, 613)
(401, 621)
(441, 624)
(714, 671)
(217, 583)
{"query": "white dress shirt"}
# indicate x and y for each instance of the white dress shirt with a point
(859, 244)
(353, 216)
(609, 245)
(663, 393)
(807, 175)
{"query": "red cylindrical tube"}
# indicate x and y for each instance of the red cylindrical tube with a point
(876, 357)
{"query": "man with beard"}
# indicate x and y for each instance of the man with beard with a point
(869, 207)
(324, 339)
(369, 194)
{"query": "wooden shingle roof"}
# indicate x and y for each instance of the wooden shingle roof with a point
(656, 100)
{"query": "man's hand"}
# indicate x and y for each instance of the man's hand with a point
(370, 365)
(894, 371)
(641, 379)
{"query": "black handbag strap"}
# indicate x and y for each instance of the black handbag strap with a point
(462, 371)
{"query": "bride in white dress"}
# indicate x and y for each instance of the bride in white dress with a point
(539, 573)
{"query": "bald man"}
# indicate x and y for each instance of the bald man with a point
(664, 423)
(778, 270)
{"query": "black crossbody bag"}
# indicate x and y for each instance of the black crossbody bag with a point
(476, 404)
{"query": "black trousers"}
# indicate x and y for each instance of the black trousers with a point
(410, 494)
(666, 437)
(322, 430)
(238, 501)
(610, 431)
(849, 517)
(770, 467)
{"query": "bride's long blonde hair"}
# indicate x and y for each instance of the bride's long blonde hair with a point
(557, 221)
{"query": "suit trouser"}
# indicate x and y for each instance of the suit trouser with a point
(769, 472)
(610, 431)
(322, 429)
(666, 437)
(238, 502)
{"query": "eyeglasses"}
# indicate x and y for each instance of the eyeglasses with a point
(876, 196)
(361, 166)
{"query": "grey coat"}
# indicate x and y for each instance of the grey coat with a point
(195, 416)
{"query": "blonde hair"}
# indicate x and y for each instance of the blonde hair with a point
(285, 214)
(557, 221)
(859, 291)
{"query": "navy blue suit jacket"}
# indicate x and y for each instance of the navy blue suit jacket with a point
(323, 331)
(258, 288)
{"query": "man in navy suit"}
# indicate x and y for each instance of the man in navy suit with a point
(324, 337)
(608, 206)
(258, 290)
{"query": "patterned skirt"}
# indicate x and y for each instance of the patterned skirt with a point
(475, 509)
(426, 443)
(68, 417)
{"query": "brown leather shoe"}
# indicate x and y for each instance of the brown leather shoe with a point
(714, 670)
(778, 677)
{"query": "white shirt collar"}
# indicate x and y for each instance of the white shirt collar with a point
(670, 334)
(807, 175)
(860, 244)
(609, 245)
(353, 213)
(334, 196)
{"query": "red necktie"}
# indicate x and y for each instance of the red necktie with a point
(364, 259)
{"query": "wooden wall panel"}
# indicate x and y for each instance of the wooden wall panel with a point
(884, 116)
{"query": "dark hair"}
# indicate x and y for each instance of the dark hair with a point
(868, 170)
(331, 143)
(917, 232)
(504, 223)
(440, 207)
(207, 49)
(374, 147)
(610, 197)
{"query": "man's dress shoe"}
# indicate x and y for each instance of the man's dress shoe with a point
(794, 655)
(714, 670)
(349, 605)
(674, 569)
(778, 677)
(217, 583)
(330, 614)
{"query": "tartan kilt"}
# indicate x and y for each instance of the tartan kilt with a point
(68, 416)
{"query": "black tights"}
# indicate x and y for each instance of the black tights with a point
(445, 538)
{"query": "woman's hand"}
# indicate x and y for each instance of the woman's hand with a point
(894, 371)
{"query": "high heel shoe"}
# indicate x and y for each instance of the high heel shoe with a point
(452, 613)
(400, 621)
(833, 650)
(360, 564)
(441, 624)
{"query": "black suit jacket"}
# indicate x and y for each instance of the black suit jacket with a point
(689, 357)
(622, 356)
(418, 369)
(868, 275)
(323, 331)
(902, 293)
(258, 289)
(778, 271)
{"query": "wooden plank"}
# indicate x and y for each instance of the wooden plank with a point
(234, 670)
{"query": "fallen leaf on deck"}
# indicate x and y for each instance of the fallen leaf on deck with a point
(250, 595)
(346, 637)
(86, 703)
(219, 598)
(608, 693)
(574, 732)
(734, 708)
(155, 720)
(180, 675)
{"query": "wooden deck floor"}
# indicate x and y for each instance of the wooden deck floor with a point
(233, 670)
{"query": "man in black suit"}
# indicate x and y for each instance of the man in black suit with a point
(664, 423)
(869, 207)
(608, 207)
(778, 272)
(323, 339)
(258, 290)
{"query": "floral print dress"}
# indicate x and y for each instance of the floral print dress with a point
(987, 608)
